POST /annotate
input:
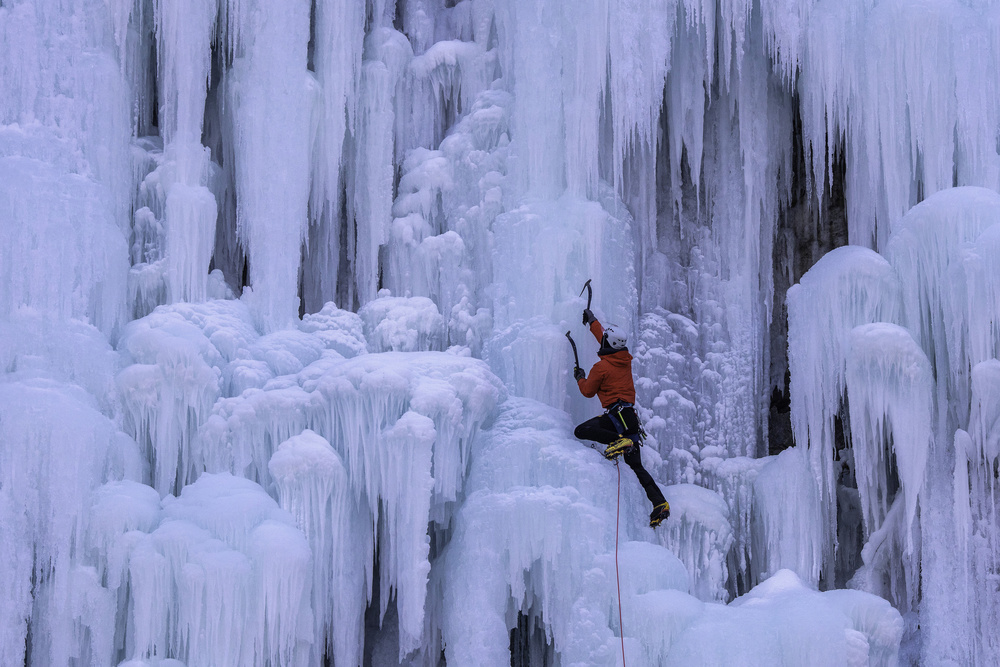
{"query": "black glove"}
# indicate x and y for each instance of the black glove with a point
(588, 317)
(578, 373)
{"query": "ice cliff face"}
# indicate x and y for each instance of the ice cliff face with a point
(283, 289)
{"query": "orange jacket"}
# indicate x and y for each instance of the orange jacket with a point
(611, 377)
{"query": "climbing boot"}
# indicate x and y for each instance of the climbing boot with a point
(618, 447)
(659, 513)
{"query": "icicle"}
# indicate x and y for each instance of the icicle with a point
(924, 249)
(184, 32)
(972, 313)
(371, 186)
(638, 63)
(847, 287)
(700, 534)
(52, 457)
(338, 33)
(272, 96)
(790, 536)
(314, 486)
(891, 390)
(223, 544)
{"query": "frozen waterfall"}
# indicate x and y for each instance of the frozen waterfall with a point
(284, 289)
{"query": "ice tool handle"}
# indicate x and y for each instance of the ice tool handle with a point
(576, 357)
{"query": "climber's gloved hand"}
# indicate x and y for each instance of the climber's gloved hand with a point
(578, 373)
(588, 317)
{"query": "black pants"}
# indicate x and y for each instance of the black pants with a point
(601, 429)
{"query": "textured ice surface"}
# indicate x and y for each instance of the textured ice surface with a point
(908, 381)
(480, 160)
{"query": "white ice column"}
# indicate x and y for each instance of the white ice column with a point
(848, 287)
(975, 542)
(272, 96)
(973, 311)
(314, 487)
(52, 455)
(184, 31)
(891, 390)
(370, 188)
(531, 60)
(337, 50)
(931, 249)
(64, 164)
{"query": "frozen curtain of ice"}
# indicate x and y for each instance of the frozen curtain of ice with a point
(283, 289)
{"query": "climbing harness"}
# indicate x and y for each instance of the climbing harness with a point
(618, 511)
(626, 421)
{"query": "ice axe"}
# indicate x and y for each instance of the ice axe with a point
(576, 357)
(590, 292)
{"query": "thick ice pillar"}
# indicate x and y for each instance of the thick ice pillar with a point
(272, 97)
(338, 35)
(184, 31)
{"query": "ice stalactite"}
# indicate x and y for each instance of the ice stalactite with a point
(55, 450)
(184, 33)
(977, 524)
(222, 545)
(890, 385)
(531, 64)
(638, 64)
(371, 179)
(847, 287)
(168, 388)
(442, 85)
(891, 390)
(974, 336)
(337, 47)
(924, 250)
(314, 487)
(700, 534)
(920, 72)
(273, 96)
(788, 536)
(63, 165)
(440, 244)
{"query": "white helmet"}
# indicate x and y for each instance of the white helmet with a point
(616, 339)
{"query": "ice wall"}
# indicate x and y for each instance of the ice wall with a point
(371, 180)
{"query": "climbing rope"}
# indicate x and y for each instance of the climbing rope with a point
(618, 512)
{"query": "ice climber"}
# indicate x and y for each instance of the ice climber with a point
(618, 428)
